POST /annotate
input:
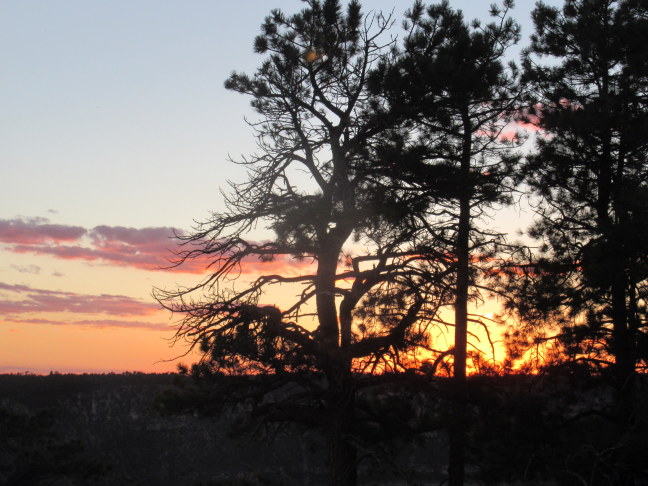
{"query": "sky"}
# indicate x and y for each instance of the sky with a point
(116, 131)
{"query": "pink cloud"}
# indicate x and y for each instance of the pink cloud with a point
(27, 300)
(142, 248)
(37, 231)
(143, 237)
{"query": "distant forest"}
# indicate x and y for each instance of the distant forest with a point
(385, 145)
(139, 429)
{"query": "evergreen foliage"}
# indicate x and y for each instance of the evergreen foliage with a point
(587, 97)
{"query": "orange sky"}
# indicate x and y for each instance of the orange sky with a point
(82, 298)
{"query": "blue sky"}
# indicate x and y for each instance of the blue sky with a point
(115, 112)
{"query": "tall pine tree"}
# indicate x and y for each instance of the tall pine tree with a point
(360, 295)
(587, 69)
(456, 97)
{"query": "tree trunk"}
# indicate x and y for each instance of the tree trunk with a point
(622, 339)
(458, 430)
(341, 450)
(624, 350)
(336, 365)
(610, 214)
(325, 298)
(456, 465)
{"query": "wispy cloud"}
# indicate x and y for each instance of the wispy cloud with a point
(20, 299)
(22, 304)
(92, 323)
(32, 269)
